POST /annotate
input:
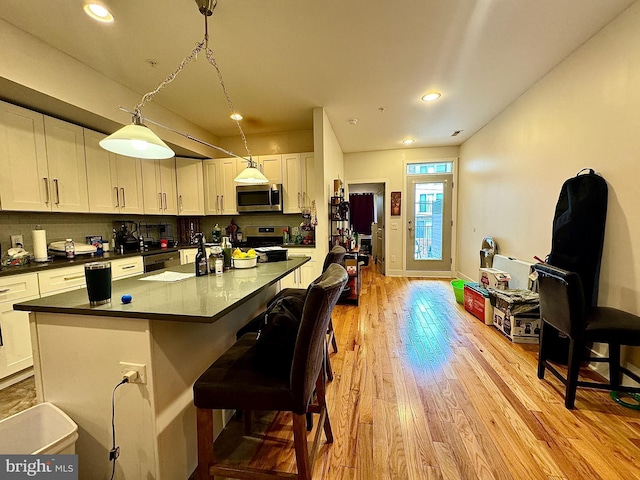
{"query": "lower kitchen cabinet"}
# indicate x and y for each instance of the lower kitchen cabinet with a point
(126, 267)
(307, 273)
(15, 339)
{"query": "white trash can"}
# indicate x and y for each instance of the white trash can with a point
(43, 429)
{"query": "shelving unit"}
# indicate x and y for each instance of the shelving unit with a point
(339, 221)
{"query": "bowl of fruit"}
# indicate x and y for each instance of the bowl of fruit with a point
(246, 259)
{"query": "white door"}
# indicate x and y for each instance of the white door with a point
(212, 178)
(190, 188)
(429, 200)
(228, 202)
(102, 175)
(271, 167)
(129, 184)
(308, 171)
(168, 186)
(292, 183)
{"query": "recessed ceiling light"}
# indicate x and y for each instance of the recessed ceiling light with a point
(408, 141)
(98, 12)
(431, 96)
(236, 116)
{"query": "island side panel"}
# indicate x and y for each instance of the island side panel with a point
(78, 363)
(182, 352)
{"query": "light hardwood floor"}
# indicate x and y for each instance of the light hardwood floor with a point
(424, 390)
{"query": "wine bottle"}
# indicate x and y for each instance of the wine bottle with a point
(202, 265)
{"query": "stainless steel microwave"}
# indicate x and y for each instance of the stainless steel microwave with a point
(259, 198)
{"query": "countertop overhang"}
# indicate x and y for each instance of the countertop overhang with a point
(196, 299)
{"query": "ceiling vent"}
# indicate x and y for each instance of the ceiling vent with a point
(456, 133)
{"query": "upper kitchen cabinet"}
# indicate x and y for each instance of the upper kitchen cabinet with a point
(190, 182)
(269, 165)
(159, 186)
(297, 181)
(44, 163)
(114, 181)
(219, 187)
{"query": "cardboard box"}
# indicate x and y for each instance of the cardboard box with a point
(476, 302)
(521, 328)
(519, 271)
(494, 278)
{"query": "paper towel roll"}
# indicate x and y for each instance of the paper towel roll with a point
(39, 245)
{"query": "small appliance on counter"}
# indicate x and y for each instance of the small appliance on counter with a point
(126, 236)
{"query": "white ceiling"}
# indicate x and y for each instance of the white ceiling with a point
(281, 58)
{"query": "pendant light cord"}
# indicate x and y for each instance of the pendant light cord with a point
(171, 77)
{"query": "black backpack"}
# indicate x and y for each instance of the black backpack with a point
(277, 335)
(578, 229)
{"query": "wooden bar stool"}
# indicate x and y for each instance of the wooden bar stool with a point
(239, 380)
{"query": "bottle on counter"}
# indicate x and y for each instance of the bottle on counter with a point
(216, 234)
(202, 265)
(226, 250)
(69, 248)
(216, 261)
(141, 243)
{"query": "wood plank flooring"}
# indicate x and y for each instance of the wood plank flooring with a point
(423, 390)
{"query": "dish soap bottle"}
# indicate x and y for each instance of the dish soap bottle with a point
(202, 265)
(69, 248)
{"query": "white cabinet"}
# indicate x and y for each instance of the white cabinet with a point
(61, 280)
(114, 181)
(159, 186)
(219, 187)
(307, 273)
(298, 171)
(67, 169)
(24, 183)
(269, 165)
(188, 255)
(190, 188)
(43, 162)
(126, 267)
(15, 338)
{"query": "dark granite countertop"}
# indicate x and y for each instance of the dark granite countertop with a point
(194, 299)
(61, 262)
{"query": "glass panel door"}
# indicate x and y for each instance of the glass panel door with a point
(429, 223)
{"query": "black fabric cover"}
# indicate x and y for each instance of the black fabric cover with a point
(277, 334)
(578, 229)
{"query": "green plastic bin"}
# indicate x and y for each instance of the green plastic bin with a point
(458, 289)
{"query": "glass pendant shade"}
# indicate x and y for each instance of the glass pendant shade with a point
(137, 140)
(251, 176)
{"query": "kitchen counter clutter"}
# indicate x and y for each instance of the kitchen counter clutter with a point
(170, 332)
(61, 262)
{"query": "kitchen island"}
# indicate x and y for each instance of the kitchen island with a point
(175, 330)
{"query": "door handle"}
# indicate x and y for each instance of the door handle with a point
(117, 197)
(46, 187)
(166, 205)
(160, 196)
(221, 203)
(55, 182)
(218, 203)
(124, 202)
(299, 204)
(180, 199)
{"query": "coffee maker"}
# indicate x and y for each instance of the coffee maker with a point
(126, 236)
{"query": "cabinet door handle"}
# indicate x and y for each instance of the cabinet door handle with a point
(299, 205)
(221, 203)
(5, 290)
(217, 203)
(160, 197)
(117, 197)
(46, 187)
(76, 277)
(180, 201)
(55, 182)
(127, 267)
(165, 200)
(124, 202)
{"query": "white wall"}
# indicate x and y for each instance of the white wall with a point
(388, 166)
(329, 163)
(584, 113)
(28, 61)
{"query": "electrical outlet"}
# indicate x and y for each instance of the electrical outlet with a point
(393, 259)
(136, 367)
(17, 241)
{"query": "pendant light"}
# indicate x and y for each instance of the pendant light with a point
(137, 140)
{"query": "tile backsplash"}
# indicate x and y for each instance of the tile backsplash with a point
(60, 226)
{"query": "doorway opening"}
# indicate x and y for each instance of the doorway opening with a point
(367, 199)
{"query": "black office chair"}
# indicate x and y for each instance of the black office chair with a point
(238, 381)
(562, 307)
